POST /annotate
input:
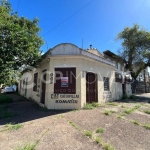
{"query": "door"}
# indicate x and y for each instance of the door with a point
(124, 88)
(26, 83)
(43, 87)
(91, 88)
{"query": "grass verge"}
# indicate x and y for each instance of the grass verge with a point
(11, 126)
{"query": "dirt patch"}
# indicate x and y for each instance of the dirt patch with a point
(64, 130)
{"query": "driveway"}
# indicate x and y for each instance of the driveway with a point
(124, 125)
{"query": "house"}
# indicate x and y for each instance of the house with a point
(69, 77)
(123, 78)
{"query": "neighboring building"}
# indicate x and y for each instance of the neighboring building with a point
(123, 79)
(70, 77)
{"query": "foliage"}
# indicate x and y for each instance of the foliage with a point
(74, 125)
(147, 126)
(147, 111)
(135, 49)
(100, 130)
(27, 147)
(107, 112)
(90, 105)
(5, 99)
(88, 134)
(135, 122)
(19, 41)
(132, 97)
(124, 96)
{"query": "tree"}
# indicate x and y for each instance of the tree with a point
(19, 40)
(135, 51)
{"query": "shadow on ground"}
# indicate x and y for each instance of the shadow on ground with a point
(24, 110)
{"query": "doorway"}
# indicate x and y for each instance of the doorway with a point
(43, 86)
(91, 88)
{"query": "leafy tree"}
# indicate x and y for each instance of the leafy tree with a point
(19, 40)
(135, 51)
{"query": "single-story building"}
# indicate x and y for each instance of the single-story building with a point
(69, 77)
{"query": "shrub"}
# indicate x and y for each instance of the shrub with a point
(132, 97)
(124, 96)
(5, 99)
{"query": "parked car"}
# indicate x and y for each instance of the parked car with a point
(8, 90)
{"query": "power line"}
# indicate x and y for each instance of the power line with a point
(69, 17)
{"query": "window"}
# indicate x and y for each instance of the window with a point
(118, 77)
(106, 84)
(35, 82)
(65, 81)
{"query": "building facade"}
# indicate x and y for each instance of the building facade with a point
(70, 77)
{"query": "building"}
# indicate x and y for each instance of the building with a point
(69, 77)
(123, 78)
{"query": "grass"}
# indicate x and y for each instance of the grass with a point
(74, 125)
(112, 104)
(99, 140)
(11, 126)
(27, 147)
(105, 146)
(107, 112)
(147, 111)
(129, 111)
(88, 134)
(123, 106)
(147, 126)
(90, 105)
(5, 99)
(122, 115)
(108, 147)
(135, 122)
(100, 130)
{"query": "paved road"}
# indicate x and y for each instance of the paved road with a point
(143, 96)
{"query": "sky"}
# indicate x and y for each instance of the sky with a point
(84, 22)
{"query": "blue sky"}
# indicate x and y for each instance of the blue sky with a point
(98, 23)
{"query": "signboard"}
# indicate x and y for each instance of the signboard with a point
(64, 81)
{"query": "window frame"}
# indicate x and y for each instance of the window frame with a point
(108, 88)
(35, 81)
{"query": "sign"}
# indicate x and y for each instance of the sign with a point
(67, 101)
(64, 81)
(106, 84)
(107, 95)
(54, 96)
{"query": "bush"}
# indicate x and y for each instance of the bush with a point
(124, 96)
(132, 97)
(5, 99)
